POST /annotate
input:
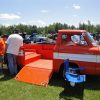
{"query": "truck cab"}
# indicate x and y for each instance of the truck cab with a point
(80, 48)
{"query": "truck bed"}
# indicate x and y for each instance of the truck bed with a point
(46, 50)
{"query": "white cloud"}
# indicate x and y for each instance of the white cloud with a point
(44, 11)
(5, 16)
(77, 7)
(39, 23)
(6, 25)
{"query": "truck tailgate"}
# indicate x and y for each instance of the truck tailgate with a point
(38, 72)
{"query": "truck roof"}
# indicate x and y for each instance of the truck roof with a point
(71, 31)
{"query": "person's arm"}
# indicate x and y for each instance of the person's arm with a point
(6, 44)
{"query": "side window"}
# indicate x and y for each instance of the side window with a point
(75, 38)
(64, 37)
(66, 40)
(79, 40)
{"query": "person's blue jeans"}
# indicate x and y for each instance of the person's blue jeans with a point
(12, 65)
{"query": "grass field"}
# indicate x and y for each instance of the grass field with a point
(10, 89)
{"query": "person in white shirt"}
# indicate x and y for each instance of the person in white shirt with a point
(14, 42)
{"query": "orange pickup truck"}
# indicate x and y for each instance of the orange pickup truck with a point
(39, 61)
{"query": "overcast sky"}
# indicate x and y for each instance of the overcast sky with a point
(45, 12)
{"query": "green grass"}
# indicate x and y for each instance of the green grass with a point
(11, 89)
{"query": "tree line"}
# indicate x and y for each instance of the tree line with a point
(53, 28)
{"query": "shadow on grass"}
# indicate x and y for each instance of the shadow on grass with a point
(4, 75)
(57, 81)
(92, 83)
(70, 92)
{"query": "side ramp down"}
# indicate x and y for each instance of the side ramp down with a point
(38, 72)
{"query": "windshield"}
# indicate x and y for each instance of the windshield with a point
(94, 42)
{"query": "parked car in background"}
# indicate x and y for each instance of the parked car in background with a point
(35, 39)
(27, 39)
(40, 39)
